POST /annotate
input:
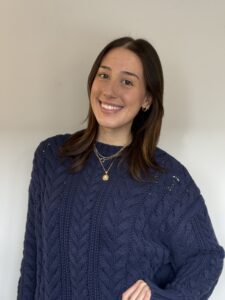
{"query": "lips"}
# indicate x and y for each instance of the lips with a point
(109, 107)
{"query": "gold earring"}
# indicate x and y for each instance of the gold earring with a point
(145, 108)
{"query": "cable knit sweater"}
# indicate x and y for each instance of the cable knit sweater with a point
(87, 239)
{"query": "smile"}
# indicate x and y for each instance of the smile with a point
(110, 107)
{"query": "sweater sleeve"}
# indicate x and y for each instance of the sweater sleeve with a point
(196, 256)
(27, 280)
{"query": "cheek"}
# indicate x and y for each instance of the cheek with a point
(94, 90)
(135, 100)
(92, 102)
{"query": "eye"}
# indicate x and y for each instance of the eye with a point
(127, 82)
(103, 75)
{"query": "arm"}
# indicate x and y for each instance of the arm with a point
(27, 281)
(197, 258)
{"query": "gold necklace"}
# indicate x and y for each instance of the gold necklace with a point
(102, 159)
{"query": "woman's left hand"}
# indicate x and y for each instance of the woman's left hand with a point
(138, 291)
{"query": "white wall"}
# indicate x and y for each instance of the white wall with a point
(46, 51)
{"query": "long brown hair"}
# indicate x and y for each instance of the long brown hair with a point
(146, 126)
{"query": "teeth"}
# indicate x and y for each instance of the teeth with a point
(110, 107)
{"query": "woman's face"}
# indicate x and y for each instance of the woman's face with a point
(118, 90)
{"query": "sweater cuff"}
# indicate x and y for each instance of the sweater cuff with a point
(161, 294)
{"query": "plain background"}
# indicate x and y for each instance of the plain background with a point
(47, 48)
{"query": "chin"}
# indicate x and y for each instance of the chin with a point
(108, 126)
(113, 125)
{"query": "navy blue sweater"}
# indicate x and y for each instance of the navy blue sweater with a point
(87, 239)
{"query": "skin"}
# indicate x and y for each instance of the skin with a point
(138, 291)
(117, 94)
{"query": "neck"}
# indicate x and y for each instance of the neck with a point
(109, 136)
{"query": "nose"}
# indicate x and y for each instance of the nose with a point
(111, 90)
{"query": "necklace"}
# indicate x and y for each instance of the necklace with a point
(105, 158)
(102, 159)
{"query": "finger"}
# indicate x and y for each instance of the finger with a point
(144, 294)
(148, 295)
(134, 292)
(130, 290)
(140, 292)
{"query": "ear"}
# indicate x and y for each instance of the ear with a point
(147, 102)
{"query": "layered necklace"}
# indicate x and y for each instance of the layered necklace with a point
(102, 159)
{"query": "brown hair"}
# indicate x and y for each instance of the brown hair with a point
(146, 125)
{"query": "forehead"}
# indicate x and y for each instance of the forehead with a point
(123, 60)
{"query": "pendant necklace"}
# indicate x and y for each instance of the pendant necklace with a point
(102, 159)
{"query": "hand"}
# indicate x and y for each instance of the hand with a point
(138, 291)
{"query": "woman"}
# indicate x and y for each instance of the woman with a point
(111, 216)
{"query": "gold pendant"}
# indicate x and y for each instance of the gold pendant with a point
(105, 177)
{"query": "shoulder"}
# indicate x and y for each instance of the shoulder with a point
(46, 157)
(51, 144)
(176, 183)
(172, 167)
(167, 160)
(175, 195)
(46, 154)
(53, 141)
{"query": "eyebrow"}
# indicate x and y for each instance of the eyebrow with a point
(124, 72)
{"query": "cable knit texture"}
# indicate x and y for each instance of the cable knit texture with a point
(90, 239)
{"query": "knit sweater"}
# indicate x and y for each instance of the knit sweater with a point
(89, 239)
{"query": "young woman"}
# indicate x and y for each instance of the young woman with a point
(112, 216)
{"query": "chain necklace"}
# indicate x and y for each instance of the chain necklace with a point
(105, 158)
(102, 159)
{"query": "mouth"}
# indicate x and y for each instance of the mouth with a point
(109, 107)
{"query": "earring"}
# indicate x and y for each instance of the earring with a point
(145, 108)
